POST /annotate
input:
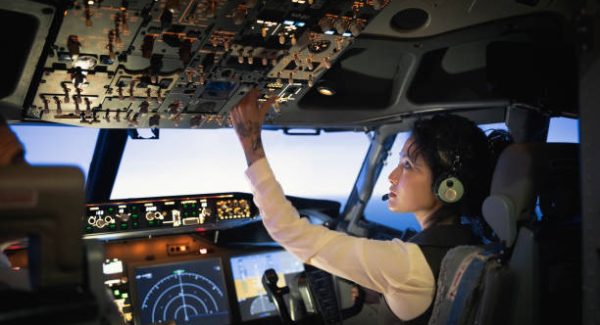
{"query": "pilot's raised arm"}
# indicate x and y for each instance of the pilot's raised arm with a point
(430, 181)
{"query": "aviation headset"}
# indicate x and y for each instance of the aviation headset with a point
(448, 187)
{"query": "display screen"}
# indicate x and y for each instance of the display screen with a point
(191, 292)
(247, 273)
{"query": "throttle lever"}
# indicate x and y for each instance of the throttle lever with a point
(275, 293)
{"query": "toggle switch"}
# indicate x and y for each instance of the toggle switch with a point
(58, 103)
(74, 46)
(144, 107)
(154, 121)
(76, 102)
(87, 12)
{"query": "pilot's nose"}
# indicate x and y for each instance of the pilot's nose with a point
(393, 176)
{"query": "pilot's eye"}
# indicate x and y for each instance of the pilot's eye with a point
(405, 163)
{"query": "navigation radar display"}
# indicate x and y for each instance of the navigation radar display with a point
(247, 272)
(184, 293)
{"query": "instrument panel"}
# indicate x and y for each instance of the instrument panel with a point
(191, 259)
(130, 218)
(185, 63)
(200, 283)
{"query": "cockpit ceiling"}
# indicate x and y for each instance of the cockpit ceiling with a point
(332, 64)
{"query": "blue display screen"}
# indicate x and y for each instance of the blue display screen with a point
(192, 292)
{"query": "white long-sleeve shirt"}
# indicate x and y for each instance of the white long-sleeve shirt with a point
(395, 268)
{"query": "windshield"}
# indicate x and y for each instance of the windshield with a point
(57, 145)
(563, 129)
(211, 161)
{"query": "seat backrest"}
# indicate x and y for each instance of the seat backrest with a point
(483, 278)
(470, 274)
(45, 204)
(530, 269)
(524, 173)
(475, 280)
(512, 203)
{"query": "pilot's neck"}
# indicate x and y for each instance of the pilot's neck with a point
(439, 216)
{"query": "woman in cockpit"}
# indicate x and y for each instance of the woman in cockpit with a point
(443, 177)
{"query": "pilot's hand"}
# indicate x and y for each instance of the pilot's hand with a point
(247, 118)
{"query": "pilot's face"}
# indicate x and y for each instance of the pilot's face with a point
(410, 189)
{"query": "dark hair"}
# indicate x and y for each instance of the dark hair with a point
(451, 144)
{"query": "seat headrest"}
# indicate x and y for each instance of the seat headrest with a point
(512, 195)
(523, 171)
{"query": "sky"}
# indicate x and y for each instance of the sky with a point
(211, 161)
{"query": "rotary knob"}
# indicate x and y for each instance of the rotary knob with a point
(100, 223)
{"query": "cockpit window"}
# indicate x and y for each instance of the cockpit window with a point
(563, 129)
(57, 145)
(211, 161)
(376, 209)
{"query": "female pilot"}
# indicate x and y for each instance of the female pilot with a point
(442, 177)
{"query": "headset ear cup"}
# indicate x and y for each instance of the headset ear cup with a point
(450, 189)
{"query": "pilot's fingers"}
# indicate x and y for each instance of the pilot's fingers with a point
(250, 99)
(248, 102)
(237, 114)
(250, 110)
(264, 106)
(241, 114)
(233, 115)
